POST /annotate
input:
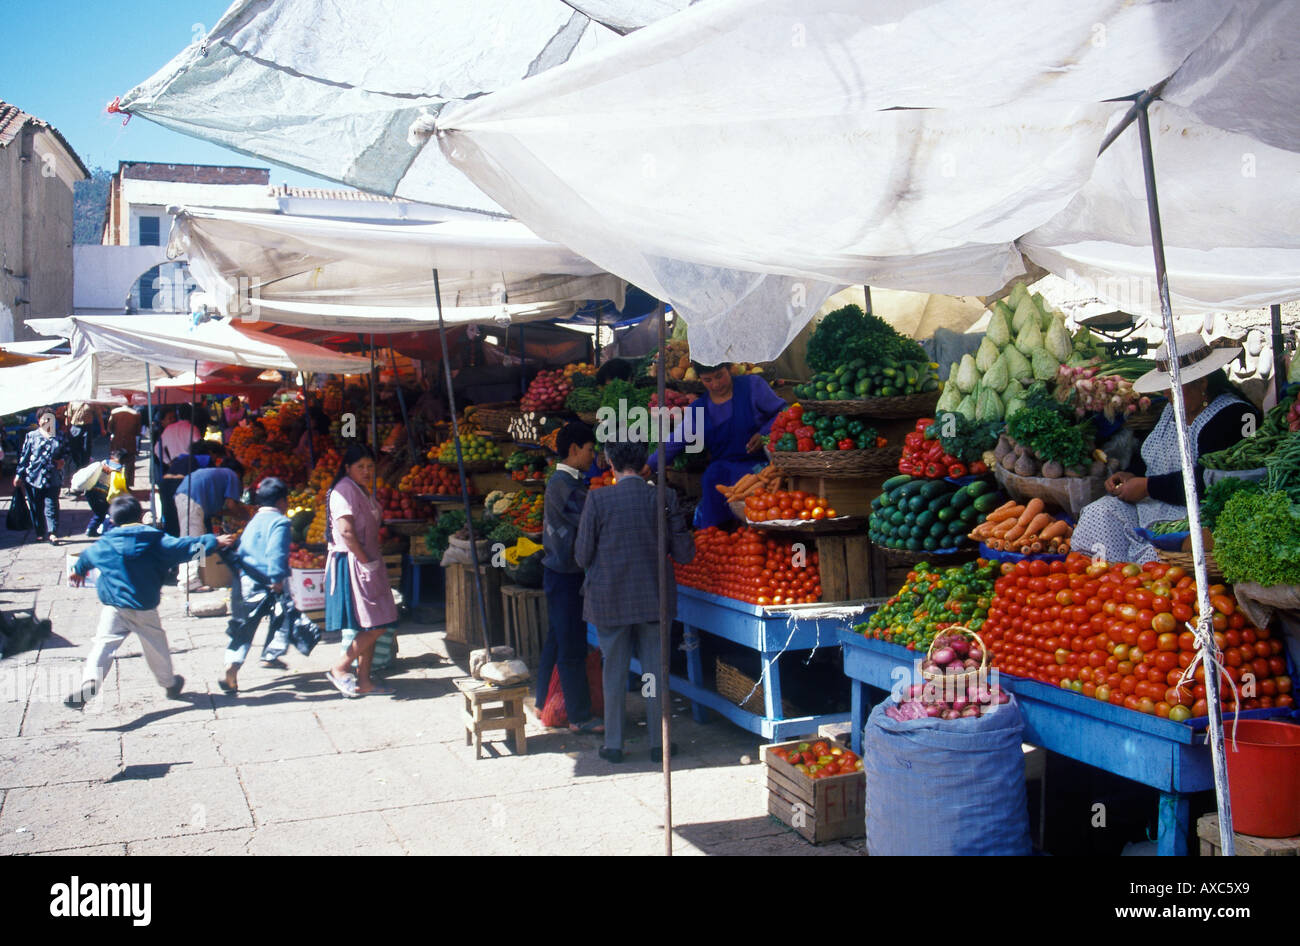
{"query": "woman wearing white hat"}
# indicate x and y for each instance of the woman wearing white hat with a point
(1217, 417)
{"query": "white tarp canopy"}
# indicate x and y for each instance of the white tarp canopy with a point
(49, 381)
(377, 276)
(333, 88)
(905, 144)
(171, 341)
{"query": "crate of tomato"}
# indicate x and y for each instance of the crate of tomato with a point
(924, 455)
(818, 788)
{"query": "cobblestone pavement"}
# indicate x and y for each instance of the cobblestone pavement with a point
(290, 767)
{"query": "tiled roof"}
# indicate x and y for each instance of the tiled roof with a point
(12, 121)
(192, 173)
(321, 193)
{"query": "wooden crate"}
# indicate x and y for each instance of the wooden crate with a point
(464, 625)
(828, 809)
(523, 612)
(1207, 829)
(394, 565)
(844, 567)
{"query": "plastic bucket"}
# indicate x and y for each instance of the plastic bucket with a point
(1264, 778)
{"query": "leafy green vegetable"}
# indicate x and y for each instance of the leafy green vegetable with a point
(620, 390)
(446, 525)
(1258, 538)
(1217, 495)
(1043, 430)
(850, 333)
(584, 400)
(1251, 453)
(506, 533)
(965, 439)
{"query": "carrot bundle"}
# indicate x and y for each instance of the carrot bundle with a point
(750, 483)
(1027, 529)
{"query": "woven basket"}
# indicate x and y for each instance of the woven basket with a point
(1212, 570)
(737, 687)
(838, 463)
(967, 678)
(1144, 420)
(496, 417)
(905, 405)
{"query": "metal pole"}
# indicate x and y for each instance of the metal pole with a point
(665, 625)
(189, 497)
(153, 477)
(1140, 103)
(311, 427)
(597, 345)
(866, 291)
(1279, 351)
(1204, 630)
(460, 465)
(374, 422)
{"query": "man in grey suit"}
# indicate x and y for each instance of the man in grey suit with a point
(618, 546)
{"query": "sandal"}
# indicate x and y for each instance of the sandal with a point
(347, 684)
(226, 687)
(377, 691)
(589, 725)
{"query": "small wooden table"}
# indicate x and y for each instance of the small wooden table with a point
(488, 708)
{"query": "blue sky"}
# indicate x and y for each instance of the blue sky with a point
(66, 59)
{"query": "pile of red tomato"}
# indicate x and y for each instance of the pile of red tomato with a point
(751, 567)
(1123, 633)
(819, 759)
(764, 506)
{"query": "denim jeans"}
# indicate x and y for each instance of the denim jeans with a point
(44, 504)
(566, 645)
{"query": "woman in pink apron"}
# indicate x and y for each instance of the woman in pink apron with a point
(357, 594)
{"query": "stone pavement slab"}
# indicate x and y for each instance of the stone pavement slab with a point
(50, 760)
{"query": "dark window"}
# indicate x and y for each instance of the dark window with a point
(149, 284)
(149, 231)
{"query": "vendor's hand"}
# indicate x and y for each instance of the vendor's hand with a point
(754, 443)
(1115, 481)
(77, 579)
(1133, 489)
(646, 472)
(226, 541)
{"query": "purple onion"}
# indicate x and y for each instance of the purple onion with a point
(950, 714)
(960, 704)
(960, 647)
(915, 690)
(1004, 697)
(954, 669)
(970, 711)
(934, 709)
(976, 654)
(943, 656)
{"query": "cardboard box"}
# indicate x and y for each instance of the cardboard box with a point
(307, 588)
(91, 577)
(214, 573)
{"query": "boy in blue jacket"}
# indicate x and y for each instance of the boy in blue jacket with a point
(133, 562)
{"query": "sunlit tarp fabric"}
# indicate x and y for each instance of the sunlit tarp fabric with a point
(904, 144)
(376, 276)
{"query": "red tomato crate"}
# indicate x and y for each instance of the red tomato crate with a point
(822, 810)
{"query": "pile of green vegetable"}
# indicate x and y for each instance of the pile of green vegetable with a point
(507, 533)
(915, 513)
(1252, 453)
(931, 600)
(583, 400)
(443, 528)
(965, 439)
(848, 334)
(1257, 538)
(860, 378)
(1044, 426)
(619, 390)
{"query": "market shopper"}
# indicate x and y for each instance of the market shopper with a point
(133, 560)
(124, 423)
(617, 544)
(177, 436)
(565, 649)
(358, 598)
(202, 495)
(40, 475)
(262, 563)
(735, 412)
(1218, 416)
(82, 422)
(102, 482)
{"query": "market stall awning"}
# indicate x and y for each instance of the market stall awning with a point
(333, 89)
(377, 276)
(172, 341)
(907, 145)
(48, 381)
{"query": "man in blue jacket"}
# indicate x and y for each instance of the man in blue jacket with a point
(133, 562)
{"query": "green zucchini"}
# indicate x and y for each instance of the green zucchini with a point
(895, 481)
(987, 503)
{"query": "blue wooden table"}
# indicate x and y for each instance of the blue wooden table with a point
(1172, 758)
(768, 631)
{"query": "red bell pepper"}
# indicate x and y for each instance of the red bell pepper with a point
(923, 423)
(804, 444)
(979, 468)
(847, 444)
(914, 440)
(957, 470)
(933, 470)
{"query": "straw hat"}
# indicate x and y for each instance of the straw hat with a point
(1196, 359)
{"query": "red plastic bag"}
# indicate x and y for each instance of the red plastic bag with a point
(553, 713)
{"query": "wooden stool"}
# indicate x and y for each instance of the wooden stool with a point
(524, 614)
(488, 708)
(1207, 829)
